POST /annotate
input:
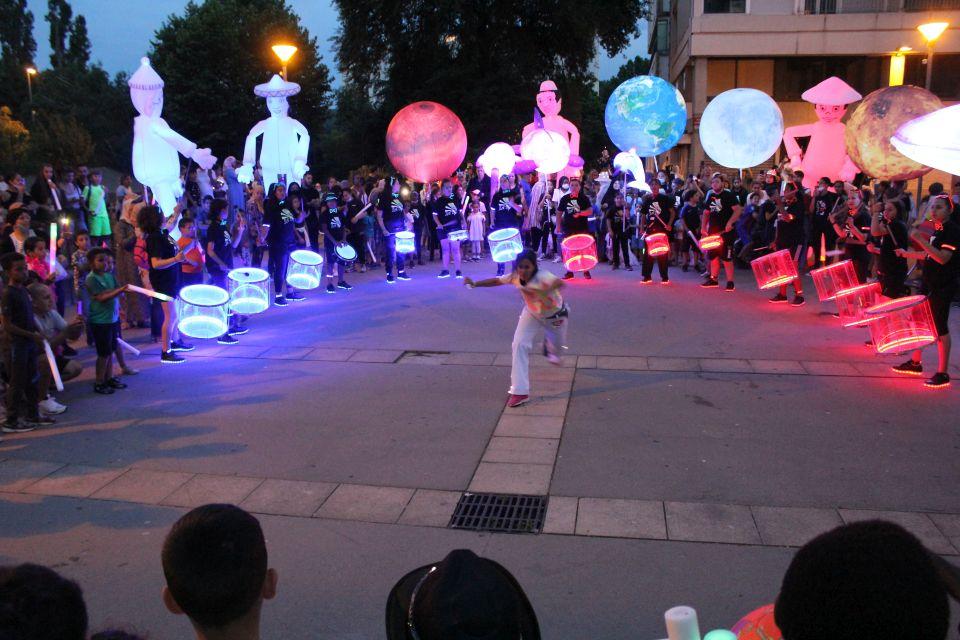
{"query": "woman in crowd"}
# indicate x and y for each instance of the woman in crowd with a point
(133, 308)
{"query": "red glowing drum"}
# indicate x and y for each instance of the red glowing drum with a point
(758, 625)
(658, 244)
(902, 324)
(852, 304)
(774, 269)
(579, 252)
(833, 278)
(709, 243)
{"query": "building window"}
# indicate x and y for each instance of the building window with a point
(663, 36)
(724, 6)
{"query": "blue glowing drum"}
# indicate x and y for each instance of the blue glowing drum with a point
(458, 235)
(303, 270)
(249, 290)
(406, 242)
(505, 244)
(346, 255)
(202, 311)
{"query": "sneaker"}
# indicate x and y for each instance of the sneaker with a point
(730, 286)
(331, 288)
(280, 301)
(629, 268)
(344, 285)
(39, 421)
(18, 427)
(909, 368)
(568, 275)
(586, 274)
(390, 279)
(710, 282)
(296, 296)
(114, 383)
(665, 281)
(554, 359)
(444, 274)
(797, 301)
(129, 371)
(646, 280)
(458, 275)
(169, 357)
(180, 345)
(238, 330)
(556, 259)
(939, 380)
(102, 389)
(615, 267)
(778, 299)
(515, 400)
(402, 275)
(51, 407)
(227, 339)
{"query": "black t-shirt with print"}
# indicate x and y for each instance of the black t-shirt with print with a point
(282, 223)
(568, 208)
(160, 245)
(504, 215)
(448, 213)
(219, 236)
(822, 206)
(790, 232)
(332, 217)
(392, 207)
(890, 263)
(719, 210)
(944, 276)
(651, 208)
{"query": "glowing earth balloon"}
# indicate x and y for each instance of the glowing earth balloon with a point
(741, 128)
(498, 157)
(646, 114)
(549, 150)
(426, 141)
(876, 119)
(933, 139)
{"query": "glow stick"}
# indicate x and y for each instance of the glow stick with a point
(53, 366)
(53, 246)
(129, 347)
(147, 292)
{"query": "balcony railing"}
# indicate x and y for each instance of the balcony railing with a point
(877, 6)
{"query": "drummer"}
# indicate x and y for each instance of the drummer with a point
(220, 244)
(449, 218)
(573, 213)
(790, 214)
(887, 224)
(658, 214)
(722, 210)
(390, 218)
(332, 228)
(941, 269)
(506, 212)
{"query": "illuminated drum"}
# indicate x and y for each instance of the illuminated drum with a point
(505, 244)
(406, 242)
(249, 290)
(833, 278)
(709, 243)
(902, 324)
(202, 311)
(303, 269)
(346, 255)
(774, 269)
(852, 304)
(459, 235)
(658, 244)
(579, 252)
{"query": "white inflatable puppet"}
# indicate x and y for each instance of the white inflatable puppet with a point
(283, 152)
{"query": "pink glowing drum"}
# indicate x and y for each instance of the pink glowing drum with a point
(833, 278)
(658, 244)
(709, 243)
(852, 304)
(902, 324)
(579, 252)
(774, 269)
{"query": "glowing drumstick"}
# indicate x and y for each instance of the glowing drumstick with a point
(147, 292)
(57, 380)
(53, 246)
(129, 347)
(823, 249)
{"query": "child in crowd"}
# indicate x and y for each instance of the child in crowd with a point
(332, 229)
(98, 221)
(690, 222)
(104, 318)
(35, 250)
(56, 331)
(476, 222)
(220, 246)
(191, 271)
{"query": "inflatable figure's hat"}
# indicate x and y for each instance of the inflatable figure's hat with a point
(277, 88)
(832, 91)
(548, 85)
(145, 78)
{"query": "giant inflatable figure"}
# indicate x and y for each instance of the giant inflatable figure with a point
(549, 118)
(155, 144)
(283, 152)
(826, 153)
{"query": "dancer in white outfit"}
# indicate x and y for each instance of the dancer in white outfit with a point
(543, 307)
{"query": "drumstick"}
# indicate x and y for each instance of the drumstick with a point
(823, 249)
(51, 360)
(147, 292)
(893, 238)
(53, 246)
(129, 347)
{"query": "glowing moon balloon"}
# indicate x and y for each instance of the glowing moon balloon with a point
(646, 114)
(933, 139)
(741, 128)
(876, 119)
(549, 150)
(426, 141)
(498, 157)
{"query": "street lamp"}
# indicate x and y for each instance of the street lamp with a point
(897, 65)
(284, 52)
(931, 31)
(31, 71)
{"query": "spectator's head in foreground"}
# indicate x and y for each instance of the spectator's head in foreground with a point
(462, 597)
(39, 604)
(215, 564)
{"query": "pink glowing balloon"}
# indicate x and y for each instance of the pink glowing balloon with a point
(426, 141)
(548, 149)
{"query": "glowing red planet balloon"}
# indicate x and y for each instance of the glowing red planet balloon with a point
(426, 141)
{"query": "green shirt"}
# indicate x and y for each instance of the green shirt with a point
(102, 312)
(96, 198)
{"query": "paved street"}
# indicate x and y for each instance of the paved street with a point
(690, 442)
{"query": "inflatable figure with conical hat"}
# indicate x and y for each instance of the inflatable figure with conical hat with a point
(826, 154)
(548, 117)
(155, 145)
(283, 151)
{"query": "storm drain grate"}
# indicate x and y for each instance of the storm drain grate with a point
(502, 513)
(423, 357)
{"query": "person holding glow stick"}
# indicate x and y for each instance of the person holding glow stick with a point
(57, 332)
(165, 261)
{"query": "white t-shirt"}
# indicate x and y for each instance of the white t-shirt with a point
(51, 323)
(541, 298)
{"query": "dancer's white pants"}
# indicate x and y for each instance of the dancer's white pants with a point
(555, 335)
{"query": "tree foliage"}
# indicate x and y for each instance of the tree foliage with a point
(60, 18)
(14, 142)
(638, 66)
(78, 52)
(61, 140)
(17, 51)
(212, 56)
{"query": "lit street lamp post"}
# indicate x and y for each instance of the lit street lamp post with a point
(930, 31)
(31, 71)
(284, 52)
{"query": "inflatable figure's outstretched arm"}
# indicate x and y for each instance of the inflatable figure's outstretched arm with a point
(245, 172)
(790, 136)
(303, 147)
(186, 148)
(574, 138)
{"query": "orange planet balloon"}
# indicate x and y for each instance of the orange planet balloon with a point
(876, 119)
(426, 141)
(758, 625)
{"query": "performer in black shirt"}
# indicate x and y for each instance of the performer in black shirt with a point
(390, 218)
(573, 215)
(888, 226)
(657, 215)
(719, 217)
(790, 211)
(448, 216)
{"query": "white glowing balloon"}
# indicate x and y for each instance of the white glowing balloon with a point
(498, 157)
(629, 161)
(932, 139)
(283, 152)
(548, 149)
(741, 128)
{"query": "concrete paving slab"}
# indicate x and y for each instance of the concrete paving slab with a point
(521, 450)
(793, 527)
(947, 523)
(778, 366)
(286, 353)
(471, 359)
(725, 365)
(561, 515)
(517, 426)
(365, 503)
(632, 363)
(376, 355)
(586, 362)
(429, 508)
(540, 406)
(423, 357)
(242, 351)
(830, 368)
(330, 355)
(288, 497)
(918, 524)
(204, 489)
(15, 475)
(875, 369)
(621, 518)
(145, 486)
(655, 363)
(552, 374)
(499, 477)
(704, 522)
(538, 361)
(74, 480)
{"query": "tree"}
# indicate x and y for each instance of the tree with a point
(60, 16)
(14, 142)
(78, 52)
(17, 51)
(60, 140)
(638, 66)
(213, 55)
